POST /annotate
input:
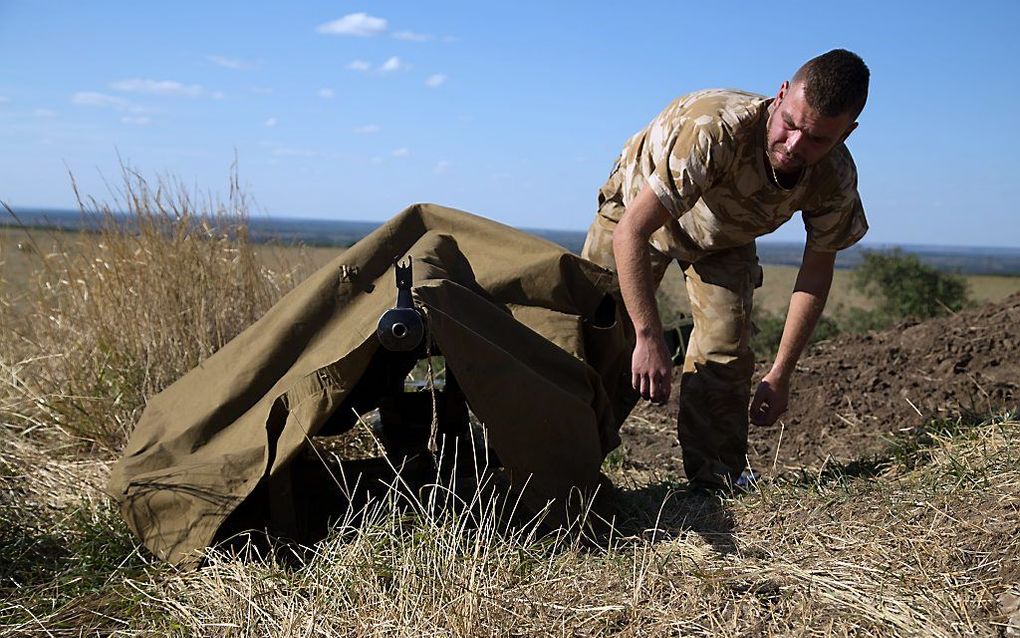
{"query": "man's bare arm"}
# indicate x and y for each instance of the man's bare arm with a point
(806, 305)
(651, 365)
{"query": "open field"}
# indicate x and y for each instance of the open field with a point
(890, 504)
(774, 295)
(24, 254)
(17, 265)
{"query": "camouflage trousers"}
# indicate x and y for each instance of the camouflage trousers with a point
(715, 384)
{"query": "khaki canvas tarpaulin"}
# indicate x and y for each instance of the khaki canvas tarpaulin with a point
(513, 314)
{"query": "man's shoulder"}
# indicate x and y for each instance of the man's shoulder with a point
(728, 105)
(717, 113)
(721, 99)
(837, 171)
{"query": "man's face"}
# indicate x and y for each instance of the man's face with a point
(797, 135)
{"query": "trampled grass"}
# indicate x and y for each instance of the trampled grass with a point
(923, 539)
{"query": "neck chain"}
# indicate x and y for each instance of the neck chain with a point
(775, 176)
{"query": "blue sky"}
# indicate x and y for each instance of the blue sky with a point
(513, 110)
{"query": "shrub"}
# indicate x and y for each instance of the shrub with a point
(905, 287)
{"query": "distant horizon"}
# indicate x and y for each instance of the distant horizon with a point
(766, 239)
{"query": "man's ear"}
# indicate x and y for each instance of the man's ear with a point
(847, 132)
(783, 89)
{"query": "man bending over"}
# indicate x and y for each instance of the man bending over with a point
(712, 172)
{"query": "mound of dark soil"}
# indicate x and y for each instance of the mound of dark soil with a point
(851, 394)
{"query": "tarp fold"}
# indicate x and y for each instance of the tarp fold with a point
(532, 333)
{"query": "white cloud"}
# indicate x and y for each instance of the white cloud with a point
(270, 123)
(393, 64)
(356, 24)
(137, 120)
(91, 98)
(44, 113)
(411, 36)
(326, 94)
(441, 167)
(436, 80)
(230, 63)
(158, 87)
(368, 129)
(218, 95)
(401, 152)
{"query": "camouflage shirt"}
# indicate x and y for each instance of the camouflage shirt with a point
(704, 158)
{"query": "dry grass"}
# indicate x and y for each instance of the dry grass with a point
(923, 540)
(114, 317)
(925, 544)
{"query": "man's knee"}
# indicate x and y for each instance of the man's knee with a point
(722, 316)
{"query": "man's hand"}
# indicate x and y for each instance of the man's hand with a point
(770, 400)
(651, 366)
(806, 304)
(652, 369)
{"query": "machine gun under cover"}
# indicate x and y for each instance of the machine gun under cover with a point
(407, 413)
(402, 328)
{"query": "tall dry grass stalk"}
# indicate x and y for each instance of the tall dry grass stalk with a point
(117, 314)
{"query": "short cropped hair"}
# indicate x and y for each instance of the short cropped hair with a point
(835, 83)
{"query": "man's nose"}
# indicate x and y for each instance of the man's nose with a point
(794, 140)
